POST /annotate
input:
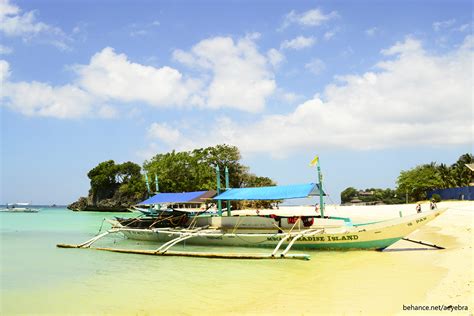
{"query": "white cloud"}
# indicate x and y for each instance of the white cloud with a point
(14, 23)
(141, 29)
(464, 27)
(4, 71)
(275, 57)
(165, 133)
(39, 99)
(289, 97)
(414, 98)
(372, 31)
(409, 46)
(109, 77)
(329, 34)
(316, 65)
(241, 77)
(5, 50)
(437, 26)
(112, 76)
(299, 42)
(314, 17)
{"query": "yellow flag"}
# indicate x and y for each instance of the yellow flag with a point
(314, 162)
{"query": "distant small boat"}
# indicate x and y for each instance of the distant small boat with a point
(19, 208)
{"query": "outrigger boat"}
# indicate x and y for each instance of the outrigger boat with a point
(281, 233)
(19, 208)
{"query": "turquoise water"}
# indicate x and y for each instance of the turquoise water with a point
(38, 278)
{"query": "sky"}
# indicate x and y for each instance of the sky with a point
(372, 87)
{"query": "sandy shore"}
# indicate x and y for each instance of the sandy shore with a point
(453, 231)
(450, 272)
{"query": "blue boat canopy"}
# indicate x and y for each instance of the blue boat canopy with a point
(282, 192)
(185, 197)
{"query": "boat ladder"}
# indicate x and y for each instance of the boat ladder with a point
(309, 232)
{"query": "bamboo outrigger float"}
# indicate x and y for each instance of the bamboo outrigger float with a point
(280, 233)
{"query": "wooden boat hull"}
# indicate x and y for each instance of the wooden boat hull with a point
(366, 236)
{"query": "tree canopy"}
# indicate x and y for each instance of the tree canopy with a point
(195, 170)
(417, 181)
(107, 178)
(372, 196)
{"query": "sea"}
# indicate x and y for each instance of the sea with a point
(37, 278)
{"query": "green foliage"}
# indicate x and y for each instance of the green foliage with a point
(436, 197)
(108, 177)
(417, 181)
(195, 170)
(348, 194)
(459, 174)
(103, 175)
(372, 196)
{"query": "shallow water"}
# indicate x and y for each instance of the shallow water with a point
(38, 278)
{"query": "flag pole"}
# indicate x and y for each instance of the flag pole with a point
(147, 184)
(157, 187)
(227, 187)
(321, 192)
(219, 202)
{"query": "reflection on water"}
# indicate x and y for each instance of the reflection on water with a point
(37, 277)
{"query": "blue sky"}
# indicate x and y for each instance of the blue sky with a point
(372, 87)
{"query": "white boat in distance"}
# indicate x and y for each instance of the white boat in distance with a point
(19, 208)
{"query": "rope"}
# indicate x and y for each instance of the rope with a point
(100, 229)
(193, 222)
(160, 220)
(236, 225)
(255, 243)
(279, 228)
(333, 202)
(179, 218)
(297, 221)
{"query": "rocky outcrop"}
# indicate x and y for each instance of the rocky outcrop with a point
(111, 201)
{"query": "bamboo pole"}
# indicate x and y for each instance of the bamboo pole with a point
(227, 187)
(212, 255)
(219, 202)
(321, 192)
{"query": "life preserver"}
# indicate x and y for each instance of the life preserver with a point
(307, 221)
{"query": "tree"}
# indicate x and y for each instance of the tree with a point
(447, 176)
(103, 175)
(196, 170)
(462, 175)
(348, 194)
(116, 180)
(418, 180)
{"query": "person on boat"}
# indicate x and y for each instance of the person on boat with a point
(433, 205)
(418, 208)
(316, 208)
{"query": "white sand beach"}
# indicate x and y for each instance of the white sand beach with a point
(446, 276)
